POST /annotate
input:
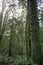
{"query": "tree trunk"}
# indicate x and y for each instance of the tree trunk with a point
(28, 32)
(34, 44)
(11, 37)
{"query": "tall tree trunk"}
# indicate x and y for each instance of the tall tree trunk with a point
(11, 37)
(1, 17)
(28, 31)
(34, 43)
(35, 33)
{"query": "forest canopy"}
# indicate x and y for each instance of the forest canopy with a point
(21, 32)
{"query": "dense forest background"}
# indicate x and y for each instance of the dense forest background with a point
(21, 32)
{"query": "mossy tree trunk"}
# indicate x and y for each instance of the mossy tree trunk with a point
(11, 37)
(28, 31)
(33, 43)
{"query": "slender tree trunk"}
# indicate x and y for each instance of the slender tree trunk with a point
(28, 32)
(1, 17)
(11, 37)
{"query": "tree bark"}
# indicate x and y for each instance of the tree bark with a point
(33, 43)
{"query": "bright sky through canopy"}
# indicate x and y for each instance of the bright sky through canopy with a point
(40, 4)
(15, 1)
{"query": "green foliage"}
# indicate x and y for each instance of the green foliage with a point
(15, 41)
(17, 60)
(41, 38)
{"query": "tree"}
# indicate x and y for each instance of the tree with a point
(11, 37)
(34, 43)
(28, 40)
(1, 21)
(42, 18)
